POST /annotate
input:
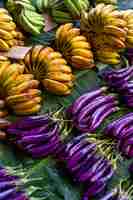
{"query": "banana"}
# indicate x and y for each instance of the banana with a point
(82, 52)
(59, 61)
(23, 87)
(72, 8)
(114, 30)
(11, 100)
(78, 39)
(30, 111)
(5, 34)
(61, 33)
(79, 45)
(7, 26)
(40, 5)
(56, 87)
(61, 77)
(35, 51)
(61, 68)
(28, 104)
(82, 61)
(27, 26)
(3, 45)
(5, 18)
(112, 61)
(61, 17)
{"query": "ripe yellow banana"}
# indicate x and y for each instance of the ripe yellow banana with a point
(79, 39)
(84, 63)
(27, 104)
(5, 34)
(4, 45)
(114, 30)
(83, 45)
(83, 53)
(56, 87)
(30, 111)
(63, 77)
(59, 68)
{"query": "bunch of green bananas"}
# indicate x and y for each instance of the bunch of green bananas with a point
(107, 31)
(50, 69)
(9, 36)
(76, 7)
(26, 16)
(74, 47)
(18, 90)
(127, 15)
(114, 2)
(55, 8)
(45, 5)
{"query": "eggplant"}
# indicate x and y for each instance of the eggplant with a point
(107, 174)
(40, 137)
(97, 123)
(96, 116)
(33, 122)
(86, 98)
(5, 194)
(74, 141)
(6, 184)
(89, 171)
(80, 154)
(83, 162)
(77, 147)
(90, 108)
(111, 195)
(94, 189)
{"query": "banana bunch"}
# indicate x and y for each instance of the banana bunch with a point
(127, 15)
(19, 90)
(56, 9)
(50, 69)
(26, 16)
(8, 33)
(45, 5)
(114, 2)
(74, 47)
(76, 7)
(107, 32)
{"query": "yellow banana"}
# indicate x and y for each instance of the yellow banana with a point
(59, 76)
(5, 34)
(79, 39)
(30, 111)
(114, 30)
(28, 104)
(7, 26)
(57, 68)
(11, 100)
(83, 45)
(56, 87)
(81, 61)
(23, 87)
(59, 61)
(83, 53)
(3, 45)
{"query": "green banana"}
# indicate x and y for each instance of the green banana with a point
(72, 8)
(61, 17)
(27, 26)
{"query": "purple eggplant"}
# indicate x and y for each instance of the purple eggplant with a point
(86, 98)
(80, 154)
(113, 195)
(33, 122)
(97, 123)
(90, 108)
(94, 189)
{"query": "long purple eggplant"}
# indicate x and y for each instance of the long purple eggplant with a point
(90, 108)
(94, 189)
(113, 195)
(97, 123)
(86, 98)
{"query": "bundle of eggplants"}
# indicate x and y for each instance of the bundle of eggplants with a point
(87, 166)
(120, 81)
(122, 130)
(39, 136)
(10, 187)
(91, 109)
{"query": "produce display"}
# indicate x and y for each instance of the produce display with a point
(50, 68)
(66, 99)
